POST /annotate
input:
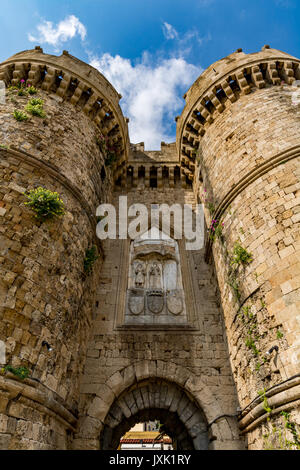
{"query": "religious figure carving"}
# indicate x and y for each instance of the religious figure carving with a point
(155, 277)
(139, 275)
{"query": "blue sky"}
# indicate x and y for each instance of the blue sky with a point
(151, 50)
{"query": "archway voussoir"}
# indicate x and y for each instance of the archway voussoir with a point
(152, 366)
(162, 369)
(194, 384)
(164, 392)
(138, 399)
(116, 383)
(117, 412)
(111, 421)
(175, 401)
(126, 411)
(142, 370)
(106, 394)
(170, 395)
(182, 405)
(187, 413)
(129, 399)
(181, 376)
(129, 376)
(151, 392)
(145, 396)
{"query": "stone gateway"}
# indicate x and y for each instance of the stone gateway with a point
(98, 335)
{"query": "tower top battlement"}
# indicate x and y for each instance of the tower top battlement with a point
(233, 62)
(223, 83)
(75, 81)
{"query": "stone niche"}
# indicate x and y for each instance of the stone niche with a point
(155, 295)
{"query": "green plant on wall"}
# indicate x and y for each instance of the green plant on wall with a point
(240, 256)
(20, 372)
(216, 229)
(264, 399)
(110, 152)
(279, 334)
(279, 437)
(20, 116)
(45, 203)
(110, 158)
(291, 426)
(91, 257)
(35, 107)
(234, 284)
(31, 90)
(252, 335)
(22, 90)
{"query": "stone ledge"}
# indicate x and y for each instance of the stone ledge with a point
(162, 327)
(281, 397)
(38, 393)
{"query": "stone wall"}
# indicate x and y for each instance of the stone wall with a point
(119, 357)
(248, 179)
(45, 295)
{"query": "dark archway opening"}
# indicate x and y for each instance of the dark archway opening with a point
(179, 414)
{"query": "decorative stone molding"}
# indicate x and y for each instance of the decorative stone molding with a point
(39, 394)
(282, 397)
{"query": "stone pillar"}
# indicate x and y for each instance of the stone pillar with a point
(159, 177)
(135, 176)
(171, 177)
(147, 177)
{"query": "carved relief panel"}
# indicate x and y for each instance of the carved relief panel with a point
(155, 294)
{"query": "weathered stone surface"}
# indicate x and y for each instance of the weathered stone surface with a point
(97, 372)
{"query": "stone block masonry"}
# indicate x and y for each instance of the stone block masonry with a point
(224, 372)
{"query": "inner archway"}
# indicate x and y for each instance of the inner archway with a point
(151, 400)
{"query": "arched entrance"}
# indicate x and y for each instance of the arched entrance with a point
(153, 399)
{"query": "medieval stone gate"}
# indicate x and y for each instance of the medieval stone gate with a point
(153, 330)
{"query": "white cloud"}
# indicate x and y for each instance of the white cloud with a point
(152, 90)
(62, 32)
(284, 3)
(169, 31)
(151, 93)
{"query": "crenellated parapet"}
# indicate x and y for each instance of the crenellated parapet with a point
(224, 83)
(153, 169)
(78, 83)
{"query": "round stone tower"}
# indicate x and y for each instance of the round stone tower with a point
(238, 138)
(72, 139)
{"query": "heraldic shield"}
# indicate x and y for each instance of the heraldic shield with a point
(136, 301)
(174, 302)
(155, 300)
